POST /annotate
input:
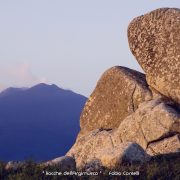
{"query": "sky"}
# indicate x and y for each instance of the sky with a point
(69, 43)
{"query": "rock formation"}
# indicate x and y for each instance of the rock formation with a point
(155, 126)
(165, 146)
(66, 163)
(152, 121)
(154, 39)
(127, 118)
(101, 145)
(118, 94)
(14, 165)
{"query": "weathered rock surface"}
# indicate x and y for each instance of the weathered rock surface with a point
(100, 146)
(154, 39)
(66, 163)
(150, 126)
(165, 146)
(14, 165)
(118, 94)
(85, 149)
(94, 165)
(152, 121)
(123, 153)
(121, 111)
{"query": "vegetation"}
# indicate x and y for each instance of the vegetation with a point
(160, 167)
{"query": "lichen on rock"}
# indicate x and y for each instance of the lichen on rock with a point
(154, 40)
(118, 93)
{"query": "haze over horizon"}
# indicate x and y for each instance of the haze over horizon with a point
(67, 43)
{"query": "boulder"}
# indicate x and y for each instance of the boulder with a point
(128, 152)
(153, 120)
(86, 147)
(94, 165)
(100, 146)
(109, 144)
(118, 94)
(149, 128)
(127, 119)
(66, 163)
(165, 146)
(14, 165)
(154, 40)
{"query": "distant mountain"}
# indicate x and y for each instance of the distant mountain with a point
(39, 122)
(11, 90)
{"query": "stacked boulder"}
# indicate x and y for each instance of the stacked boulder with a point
(154, 40)
(131, 116)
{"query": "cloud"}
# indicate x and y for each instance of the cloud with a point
(19, 76)
(2, 86)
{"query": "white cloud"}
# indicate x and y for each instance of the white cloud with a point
(19, 76)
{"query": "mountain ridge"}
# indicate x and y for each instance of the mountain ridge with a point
(32, 119)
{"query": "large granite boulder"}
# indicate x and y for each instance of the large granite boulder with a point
(118, 94)
(151, 122)
(99, 146)
(86, 147)
(123, 153)
(154, 39)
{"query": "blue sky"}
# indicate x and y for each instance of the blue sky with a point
(66, 42)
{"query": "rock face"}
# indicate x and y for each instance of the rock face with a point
(14, 165)
(151, 127)
(118, 94)
(123, 153)
(86, 147)
(167, 145)
(151, 122)
(100, 145)
(154, 39)
(65, 162)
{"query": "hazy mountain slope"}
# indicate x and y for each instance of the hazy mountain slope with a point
(40, 122)
(11, 90)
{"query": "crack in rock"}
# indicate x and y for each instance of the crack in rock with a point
(143, 135)
(132, 98)
(112, 141)
(163, 138)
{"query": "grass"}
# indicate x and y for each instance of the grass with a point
(161, 167)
